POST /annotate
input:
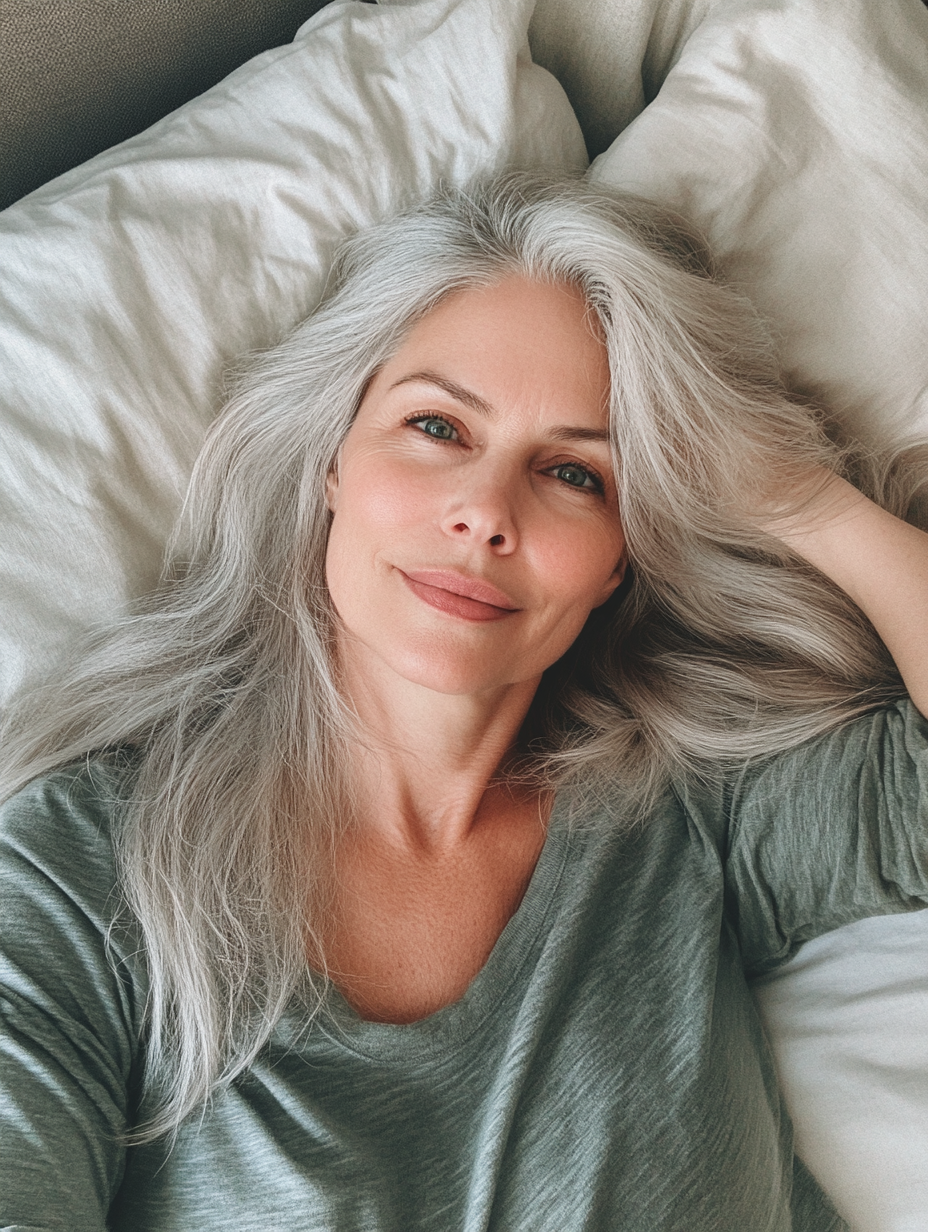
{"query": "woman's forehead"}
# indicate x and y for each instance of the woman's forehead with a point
(516, 338)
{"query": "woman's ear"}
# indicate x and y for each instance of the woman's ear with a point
(331, 486)
(616, 579)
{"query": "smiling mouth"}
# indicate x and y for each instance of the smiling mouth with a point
(457, 595)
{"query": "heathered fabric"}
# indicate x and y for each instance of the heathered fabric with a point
(605, 1070)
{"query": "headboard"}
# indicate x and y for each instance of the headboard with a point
(77, 76)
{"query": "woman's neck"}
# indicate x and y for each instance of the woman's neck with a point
(427, 773)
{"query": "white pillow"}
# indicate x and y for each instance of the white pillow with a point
(848, 1021)
(131, 282)
(795, 133)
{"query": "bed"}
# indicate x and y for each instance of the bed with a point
(793, 131)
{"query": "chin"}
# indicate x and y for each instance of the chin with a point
(454, 675)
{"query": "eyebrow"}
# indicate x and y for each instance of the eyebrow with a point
(468, 398)
(458, 392)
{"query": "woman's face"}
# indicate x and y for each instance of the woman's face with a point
(476, 521)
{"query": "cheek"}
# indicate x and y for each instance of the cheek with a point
(378, 494)
(581, 571)
(376, 509)
(581, 566)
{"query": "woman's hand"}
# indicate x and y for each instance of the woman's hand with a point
(878, 561)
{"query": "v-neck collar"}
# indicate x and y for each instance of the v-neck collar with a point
(450, 1026)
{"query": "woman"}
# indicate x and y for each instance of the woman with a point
(521, 688)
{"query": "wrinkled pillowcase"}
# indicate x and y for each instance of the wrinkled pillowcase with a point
(794, 133)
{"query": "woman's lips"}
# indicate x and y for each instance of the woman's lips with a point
(458, 595)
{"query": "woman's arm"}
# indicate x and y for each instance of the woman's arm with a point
(878, 561)
(69, 1020)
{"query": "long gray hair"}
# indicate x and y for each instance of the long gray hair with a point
(719, 646)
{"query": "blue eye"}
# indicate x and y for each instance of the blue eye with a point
(436, 427)
(576, 476)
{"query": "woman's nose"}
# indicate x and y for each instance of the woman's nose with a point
(482, 513)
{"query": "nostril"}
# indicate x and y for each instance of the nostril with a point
(461, 527)
(497, 541)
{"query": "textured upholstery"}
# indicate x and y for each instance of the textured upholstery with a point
(77, 76)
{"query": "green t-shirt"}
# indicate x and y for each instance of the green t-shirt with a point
(605, 1071)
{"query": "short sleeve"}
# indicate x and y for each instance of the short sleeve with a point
(69, 1006)
(828, 833)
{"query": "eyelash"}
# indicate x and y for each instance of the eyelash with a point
(417, 419)
(598, 486)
